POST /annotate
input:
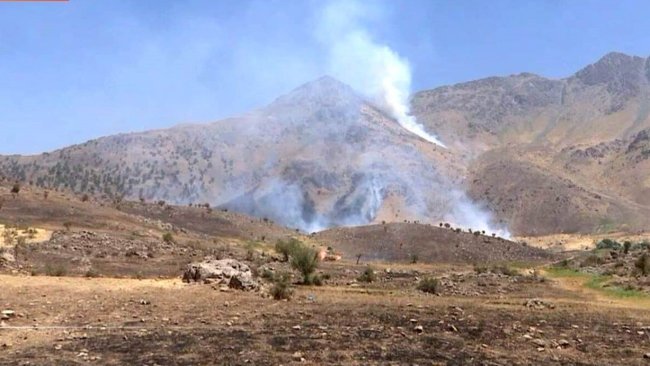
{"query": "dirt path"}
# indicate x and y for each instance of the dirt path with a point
(578, 285)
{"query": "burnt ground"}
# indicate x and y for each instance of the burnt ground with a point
(164, 322)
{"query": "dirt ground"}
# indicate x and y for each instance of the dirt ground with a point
(78, 321)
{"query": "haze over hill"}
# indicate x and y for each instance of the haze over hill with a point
(544, 156)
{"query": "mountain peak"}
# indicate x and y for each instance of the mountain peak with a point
(325, 90)
(613, 67)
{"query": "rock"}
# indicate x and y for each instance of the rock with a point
(563, 343)
(230, 272)
(647, 356)
(297, 356)
(539, 304)
(6, 258)
(418, 329)
(6, 314)
(539, 342)
(296, 327)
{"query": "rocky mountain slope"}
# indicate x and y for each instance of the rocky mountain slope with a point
(553, 155)
(319, 156)
(543, 155)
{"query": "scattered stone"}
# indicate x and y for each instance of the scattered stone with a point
(418, 329)
(647, 356)
(296, 327)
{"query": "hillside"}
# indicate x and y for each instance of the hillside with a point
(317, 157)
(534, 154)
(567, 155)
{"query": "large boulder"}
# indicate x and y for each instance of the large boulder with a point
(229, 272)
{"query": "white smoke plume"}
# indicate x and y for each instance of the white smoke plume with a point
(368, 66)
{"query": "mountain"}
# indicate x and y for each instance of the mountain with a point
(317, 157)
(536, 154)
(567, 155)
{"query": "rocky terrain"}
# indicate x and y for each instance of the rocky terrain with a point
(581, 142)
(553, 156)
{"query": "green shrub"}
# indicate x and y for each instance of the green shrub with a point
(305, 260)
(429, 285)
(609, 244)
(368, 275)
(281, 288)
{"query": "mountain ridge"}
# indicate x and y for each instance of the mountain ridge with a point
(338, 159)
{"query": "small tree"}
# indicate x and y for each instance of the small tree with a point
(626, 247)
(46, 194)
(85, 198)
(414, 258)
(15, 189)
(305, 260)
(67, 225)
(359, 257)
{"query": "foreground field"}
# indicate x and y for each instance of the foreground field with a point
(67, 321)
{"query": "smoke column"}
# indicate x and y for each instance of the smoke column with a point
(370, 67)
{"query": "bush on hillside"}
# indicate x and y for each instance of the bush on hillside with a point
(429, 285)
(609, 244)
(368, 275)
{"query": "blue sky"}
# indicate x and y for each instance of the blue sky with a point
(74, 71)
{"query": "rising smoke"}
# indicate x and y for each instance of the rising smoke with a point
(370, 67)
(318, 157)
